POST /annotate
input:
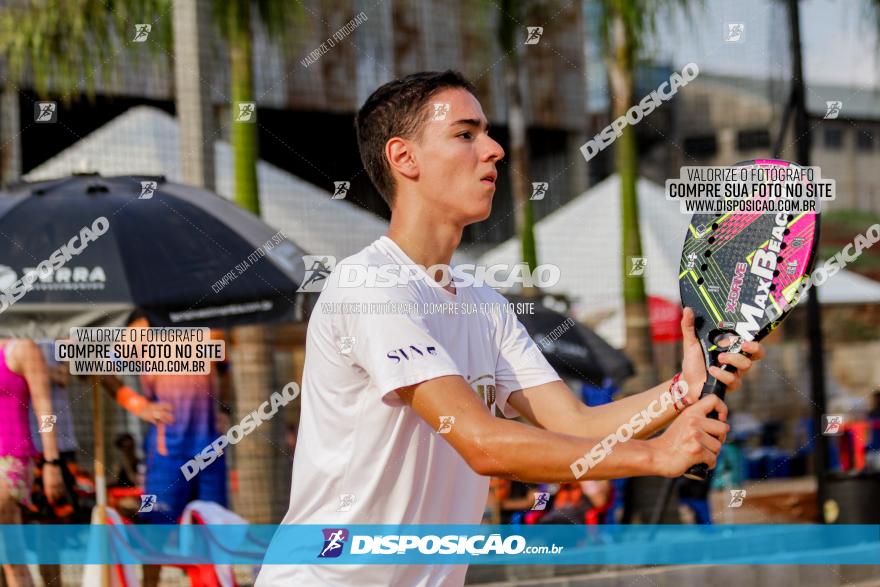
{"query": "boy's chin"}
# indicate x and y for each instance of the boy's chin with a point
(479, 216)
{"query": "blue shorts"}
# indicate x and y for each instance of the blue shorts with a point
(166, 481)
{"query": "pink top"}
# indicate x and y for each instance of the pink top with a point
(15, 429)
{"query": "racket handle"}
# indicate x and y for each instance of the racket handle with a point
(711, 387)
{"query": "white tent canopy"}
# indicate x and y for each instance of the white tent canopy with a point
(144, 140)
(583, 238)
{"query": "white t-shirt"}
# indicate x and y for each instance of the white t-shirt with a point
(362, 456)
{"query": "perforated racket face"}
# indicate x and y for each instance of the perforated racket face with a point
(736, 266)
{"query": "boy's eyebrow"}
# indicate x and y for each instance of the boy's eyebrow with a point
(473, 122)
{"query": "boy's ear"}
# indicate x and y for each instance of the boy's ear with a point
(401, 157)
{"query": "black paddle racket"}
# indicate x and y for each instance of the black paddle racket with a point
(740, 274)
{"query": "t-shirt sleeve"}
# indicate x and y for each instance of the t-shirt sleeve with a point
(520, 363)
(396, 350)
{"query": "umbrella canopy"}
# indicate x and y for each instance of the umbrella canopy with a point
(572, 348)
(182, 255)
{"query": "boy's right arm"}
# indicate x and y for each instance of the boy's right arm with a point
(506, 448)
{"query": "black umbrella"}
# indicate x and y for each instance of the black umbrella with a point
(570, 347)
(182, 255)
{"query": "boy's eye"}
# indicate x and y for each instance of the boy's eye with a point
(466, 135)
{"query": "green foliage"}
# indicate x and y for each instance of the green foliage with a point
(70, 41)
(277, 16)
(640, 18)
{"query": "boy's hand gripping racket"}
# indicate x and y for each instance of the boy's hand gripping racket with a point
(740, 274)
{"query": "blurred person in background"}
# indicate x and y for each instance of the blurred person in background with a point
(511, 501)
(66, 509)
(872, 456)
(581, 502)
(24, 378)
(129, 473)
(181, 409)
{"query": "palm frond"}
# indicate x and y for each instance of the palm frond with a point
(69, 41)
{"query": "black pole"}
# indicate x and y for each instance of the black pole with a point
(814, 313)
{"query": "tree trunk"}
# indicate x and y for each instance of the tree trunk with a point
(252, 366)
(244, 134)
(10, 134)
(519, 153)
(638, 328)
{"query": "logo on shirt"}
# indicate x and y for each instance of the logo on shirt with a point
(334, 540)
(412, 352)
(484, 385)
